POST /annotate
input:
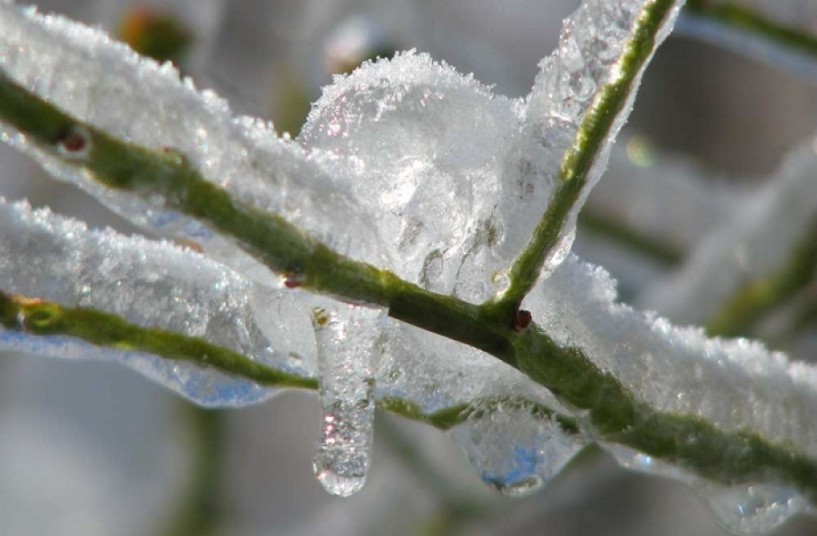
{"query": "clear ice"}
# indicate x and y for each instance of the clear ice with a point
(512, 455)
(748, 510)
(151, 284)
(106, 85)
(348, 351)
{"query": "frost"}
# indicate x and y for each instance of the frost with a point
(347, 361)
(735, 384)
(448, 170)
(569, 84)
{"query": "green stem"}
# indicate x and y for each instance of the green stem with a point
(269, 238)
(580, 158)
(743, 18)
(38, 317)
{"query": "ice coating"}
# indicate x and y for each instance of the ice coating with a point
(756, 242)
(348, 355)
(743, 509)
(734, 384)
(106, 85)
(513, 456)
(421, 147)
(590, 324)
(571, 80)
(754, 509)
(456, 177)
(150, 284)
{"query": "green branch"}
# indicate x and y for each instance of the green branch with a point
(38, 317)
(34, 316)
(734, 15)
(269, 238)
(580, 158)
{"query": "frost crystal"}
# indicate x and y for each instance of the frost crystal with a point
(421, 147)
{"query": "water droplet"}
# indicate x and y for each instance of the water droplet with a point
(754, 509)
(515, 451)
(347, 360)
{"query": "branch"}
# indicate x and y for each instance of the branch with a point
(598, 126)
(756, 298)
(36, 317)
(731, 15)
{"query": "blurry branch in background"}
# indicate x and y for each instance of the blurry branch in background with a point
(735, 16)
(757, 298)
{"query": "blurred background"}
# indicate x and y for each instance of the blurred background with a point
(94, 449)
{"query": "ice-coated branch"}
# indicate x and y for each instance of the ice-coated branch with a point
(756, 298)
(727, 416)
(34, 316)
(612, 85)
(761, 256)
(616, 415)
(779, 32)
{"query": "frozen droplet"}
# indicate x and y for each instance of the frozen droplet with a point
(515, 451)
(752, 509)
(347, 361)
(500, 281)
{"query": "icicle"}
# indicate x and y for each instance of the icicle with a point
(516, 451)
(347, 362)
